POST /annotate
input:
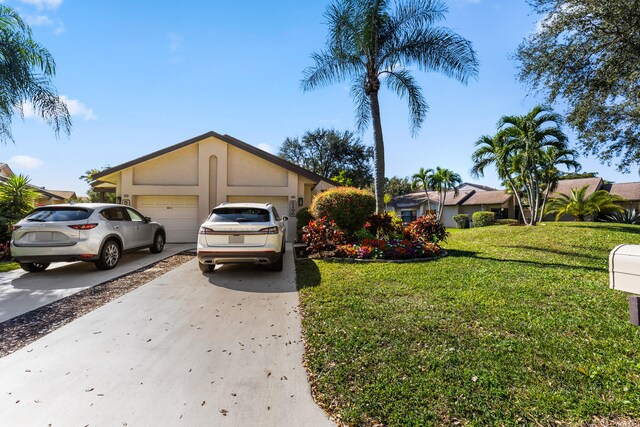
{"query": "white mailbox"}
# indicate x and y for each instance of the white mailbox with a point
(624, 268)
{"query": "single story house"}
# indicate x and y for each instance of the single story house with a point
(471, 198)
(178, 186)
(45, 196)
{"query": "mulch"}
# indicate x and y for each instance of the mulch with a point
(22, 330)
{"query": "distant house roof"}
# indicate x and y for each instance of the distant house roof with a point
(495, 197)
(413, 200)
(628, 190)
(478, 186)
(566, 185)
(229, 140)
(66, 195)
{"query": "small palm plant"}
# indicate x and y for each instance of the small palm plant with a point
(629, 216)
(578, 205)
(16, 200)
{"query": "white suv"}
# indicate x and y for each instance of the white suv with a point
(242, 233)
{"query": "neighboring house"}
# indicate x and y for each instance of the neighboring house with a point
(45, 196)
(629, 190)
(471, 198)
(179, 186)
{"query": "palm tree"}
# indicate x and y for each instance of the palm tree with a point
(16, 197)
(580, 207)
(526, 151)
(421, 180)
(444, 180)
(371, 41)
(26, 70)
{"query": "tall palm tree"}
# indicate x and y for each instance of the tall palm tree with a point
(26, 70)
(443, 181)
(421, 180)
(579, 206)
(526, 150)
(371, 41)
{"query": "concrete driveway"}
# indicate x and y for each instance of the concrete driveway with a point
(21, 292)
(221, 349)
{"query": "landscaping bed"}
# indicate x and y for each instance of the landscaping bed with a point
(517, 326)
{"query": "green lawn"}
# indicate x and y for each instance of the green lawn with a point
(8, 266)
(516, 327)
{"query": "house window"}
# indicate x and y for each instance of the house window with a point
(501, 213)
(408, 216)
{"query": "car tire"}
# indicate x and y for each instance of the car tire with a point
(109, 255)
(278, 263)
(206, 268)
(158, 244)
(34, 267)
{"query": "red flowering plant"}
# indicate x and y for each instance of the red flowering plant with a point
(426, 228)
(384, 224)
(322, 235)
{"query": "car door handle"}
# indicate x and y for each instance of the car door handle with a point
(116, 226)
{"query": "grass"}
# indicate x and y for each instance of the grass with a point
(8, 266)
(516, 327)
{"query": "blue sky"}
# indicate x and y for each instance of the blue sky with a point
(141, 75)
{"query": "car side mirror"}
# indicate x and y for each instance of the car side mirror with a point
(146, 218)
(285, 218)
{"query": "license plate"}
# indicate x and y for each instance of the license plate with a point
(236, 239)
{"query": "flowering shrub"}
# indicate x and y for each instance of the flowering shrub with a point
(426, 229)
(303, 217)
(322, 235)
(349, 207)
(388, 249)
(384, 224)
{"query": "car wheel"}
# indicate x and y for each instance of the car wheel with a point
(109, 256)
(158, 244)
(206, 268)
(34, 267)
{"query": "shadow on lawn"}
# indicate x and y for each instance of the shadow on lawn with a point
(455, 253)
(307, 274)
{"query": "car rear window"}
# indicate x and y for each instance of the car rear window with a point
(58, 214)
(239, 215)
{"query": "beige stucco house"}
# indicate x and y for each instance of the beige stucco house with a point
(179, 186)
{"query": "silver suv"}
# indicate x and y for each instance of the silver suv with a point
(242, 233)
(92, 232)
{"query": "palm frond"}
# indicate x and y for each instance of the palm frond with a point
(402, 83)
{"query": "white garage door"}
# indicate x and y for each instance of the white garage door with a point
(280, 203)
(178, 214)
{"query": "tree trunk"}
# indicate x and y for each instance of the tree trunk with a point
(441, 207)
(378, 149)
(517, 196)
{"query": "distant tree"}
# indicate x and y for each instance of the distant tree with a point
(578, 175)
(26, 70)
(17, 198)
(331, 153)
(422, 180)
(396, 186)
(371, 42)
(343, 179)
(94, 196)
(586, 54)
(443, 181)
(580, 207)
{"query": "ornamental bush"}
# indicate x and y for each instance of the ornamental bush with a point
(303, 216)
(483, 218)
(462, 220)
(507, 221)
(322, 235)
(426, 229)
(349, 207)
(384, 224)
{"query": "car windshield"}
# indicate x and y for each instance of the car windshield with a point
(58, 214)
(239, 215)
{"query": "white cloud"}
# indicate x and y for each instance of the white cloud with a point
(43, 4)
(38, 20)
(77, 108)
(59, 29)
(266, 147)
(25, 162)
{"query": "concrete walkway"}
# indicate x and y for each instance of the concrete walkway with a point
(221, 349)
(21, 292)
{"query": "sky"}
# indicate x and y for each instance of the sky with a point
(139, 76)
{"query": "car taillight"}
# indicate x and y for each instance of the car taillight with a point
(205, 231)
(14, 227)
(83, 226)
(270, 230)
